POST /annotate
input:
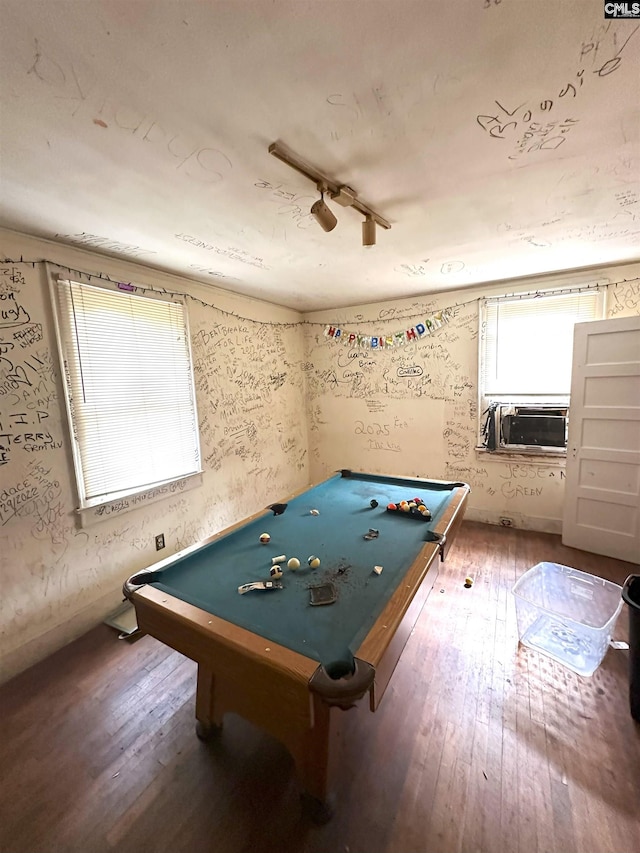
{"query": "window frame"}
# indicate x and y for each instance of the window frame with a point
(64, 341)
(544, 400)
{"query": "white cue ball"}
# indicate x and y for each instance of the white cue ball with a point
(294, 563)
(314, 562)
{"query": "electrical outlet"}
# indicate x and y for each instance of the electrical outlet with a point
(506, 522)
(159, 541)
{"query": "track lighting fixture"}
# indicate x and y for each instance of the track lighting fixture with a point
(340, 193)
(368, 232)
(323, 213)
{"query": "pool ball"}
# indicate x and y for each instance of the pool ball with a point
(314, 562)
(265, 538)
(275, 572)
(294, 563)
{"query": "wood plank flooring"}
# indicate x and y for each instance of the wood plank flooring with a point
(479, 744)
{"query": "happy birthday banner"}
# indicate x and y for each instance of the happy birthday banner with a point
(426, 327)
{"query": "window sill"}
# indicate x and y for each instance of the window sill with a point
(529, 454)
(99, 512)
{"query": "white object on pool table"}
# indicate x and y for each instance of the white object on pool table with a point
(247, 587)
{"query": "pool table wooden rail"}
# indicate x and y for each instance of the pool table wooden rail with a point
(387, 638)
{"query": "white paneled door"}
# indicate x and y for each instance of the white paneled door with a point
(602, 489)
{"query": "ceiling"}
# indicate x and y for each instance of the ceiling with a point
(499, 138)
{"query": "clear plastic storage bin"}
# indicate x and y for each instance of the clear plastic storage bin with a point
(567, 614)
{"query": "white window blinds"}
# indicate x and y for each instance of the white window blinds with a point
(527, 342)
(130, 390)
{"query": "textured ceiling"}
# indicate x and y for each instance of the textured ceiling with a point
(500, 139)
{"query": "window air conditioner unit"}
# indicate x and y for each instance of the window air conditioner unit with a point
(512, 426)
(532, 426)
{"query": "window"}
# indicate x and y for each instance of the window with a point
(129, 387)
(526, 353)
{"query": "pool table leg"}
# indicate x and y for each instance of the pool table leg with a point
(208, 723)
(317, 756)
(312, 731)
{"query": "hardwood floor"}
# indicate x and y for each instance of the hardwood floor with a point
(478, 745)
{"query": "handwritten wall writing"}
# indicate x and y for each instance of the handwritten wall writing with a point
(518, 490)
(27, 377)
(207, 271)
(526, 136)
(293, 205)
(459, 438)
(623, 299)
(78, 93)
(476, 476)
(618, 230)
(125, 504)
(233, 253)
(449, 267)
(623, 227)
(28, 335)
(345, 111)
(245, 372)
(12, 314)
(629, 202)
(413, 270)
(104, 244)
(544, 125)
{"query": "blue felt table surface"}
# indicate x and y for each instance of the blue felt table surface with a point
(209, 578)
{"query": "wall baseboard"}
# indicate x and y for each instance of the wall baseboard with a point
(516, 519)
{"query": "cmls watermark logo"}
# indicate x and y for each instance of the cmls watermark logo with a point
(621, 10)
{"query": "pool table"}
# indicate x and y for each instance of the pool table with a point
(269, 654)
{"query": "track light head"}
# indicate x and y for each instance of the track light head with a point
(369, 232)
(323, 214)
